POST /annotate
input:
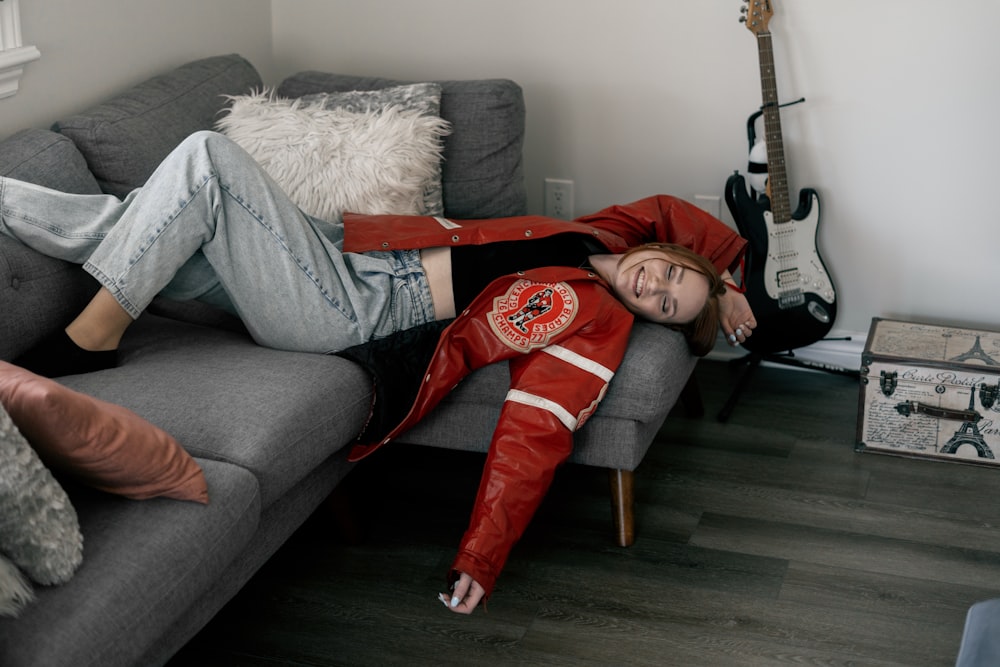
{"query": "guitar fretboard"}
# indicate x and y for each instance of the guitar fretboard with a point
(776, 174)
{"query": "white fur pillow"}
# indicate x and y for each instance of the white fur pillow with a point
(331, 160)
(39, 529)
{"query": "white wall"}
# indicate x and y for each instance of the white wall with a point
(91, 50)
(633, 97)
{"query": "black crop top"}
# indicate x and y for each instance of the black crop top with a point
(473, 267)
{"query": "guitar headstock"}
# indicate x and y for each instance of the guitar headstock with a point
(757, 14)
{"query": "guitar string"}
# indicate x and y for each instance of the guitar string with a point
(780, 208)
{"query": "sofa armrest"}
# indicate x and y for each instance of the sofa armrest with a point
(648, 382)
(38, 295)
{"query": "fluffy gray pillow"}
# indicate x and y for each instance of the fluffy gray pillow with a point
(15, 589)
(39, 529)
(364, 152)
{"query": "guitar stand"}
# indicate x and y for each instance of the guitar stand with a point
(754, 359)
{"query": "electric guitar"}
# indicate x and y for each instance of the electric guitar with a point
(787, 284)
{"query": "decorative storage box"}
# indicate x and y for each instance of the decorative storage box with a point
(930, 391)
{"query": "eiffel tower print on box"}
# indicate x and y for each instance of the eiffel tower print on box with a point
(930, 391)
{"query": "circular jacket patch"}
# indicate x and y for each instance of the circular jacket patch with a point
(530, 314)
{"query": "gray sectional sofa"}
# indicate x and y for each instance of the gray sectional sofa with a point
(270, 429)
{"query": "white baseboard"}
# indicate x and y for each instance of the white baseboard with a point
(839, 350)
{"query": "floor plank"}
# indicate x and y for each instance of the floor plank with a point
(764, 540)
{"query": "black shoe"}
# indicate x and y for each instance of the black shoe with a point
(57, 355)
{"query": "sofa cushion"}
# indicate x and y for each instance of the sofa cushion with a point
(125, 138)
(46, 158)
(145, 563)
(330, 159)
(278, 414)
(482, 172)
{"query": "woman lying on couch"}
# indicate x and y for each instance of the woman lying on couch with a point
(557, 299)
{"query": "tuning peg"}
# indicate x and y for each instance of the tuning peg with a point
(743, 19)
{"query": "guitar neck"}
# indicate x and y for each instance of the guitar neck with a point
(777, 180)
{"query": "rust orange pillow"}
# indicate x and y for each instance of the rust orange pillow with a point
(101, 444)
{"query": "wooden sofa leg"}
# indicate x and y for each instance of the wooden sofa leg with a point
(622, 505)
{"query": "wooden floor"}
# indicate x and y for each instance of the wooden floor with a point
(765, 540)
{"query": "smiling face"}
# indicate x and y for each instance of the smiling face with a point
(657, 286)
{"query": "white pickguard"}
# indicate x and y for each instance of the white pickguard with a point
(793, 267)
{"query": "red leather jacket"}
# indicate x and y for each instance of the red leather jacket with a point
(563, 332)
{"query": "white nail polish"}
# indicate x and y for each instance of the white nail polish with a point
(443, 599)
(454, 601)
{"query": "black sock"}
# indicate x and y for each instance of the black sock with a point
(57, 355)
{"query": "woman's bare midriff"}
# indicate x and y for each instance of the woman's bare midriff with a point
(437, 268)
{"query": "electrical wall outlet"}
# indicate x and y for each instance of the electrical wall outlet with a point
(559, 198)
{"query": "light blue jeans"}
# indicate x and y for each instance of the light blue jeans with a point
(211, 225)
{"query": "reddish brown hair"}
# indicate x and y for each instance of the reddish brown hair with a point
(701, 332)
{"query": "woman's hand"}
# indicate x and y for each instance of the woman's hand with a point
(466, 595)
(735, 316)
